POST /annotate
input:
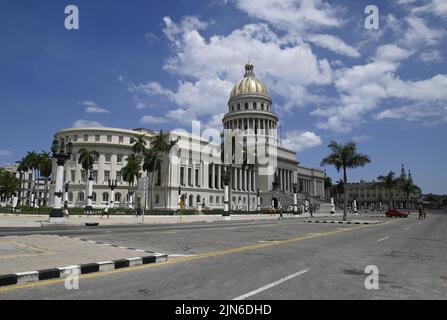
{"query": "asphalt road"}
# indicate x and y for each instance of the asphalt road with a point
(266, 260)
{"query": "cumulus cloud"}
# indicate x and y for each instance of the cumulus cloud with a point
(361, 89)
(86, 124)
(301, 140)
(153, 120)
(427, 113)
(92, 107)
(293, 15)
(334, 44)
(431, 56)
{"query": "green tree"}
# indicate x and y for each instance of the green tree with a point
(9, 184)
(409, 188)
(390, 183)
(45, 169)
(86, 160)
(131, 171)
(139, 145)
(344, 157)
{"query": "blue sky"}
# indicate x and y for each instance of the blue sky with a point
(162, 64)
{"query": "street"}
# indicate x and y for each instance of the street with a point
(263, 260)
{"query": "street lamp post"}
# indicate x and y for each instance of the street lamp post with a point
(66, 187)
(226, 178)
(258, 201)
(61, 153)
(295, 187)
(89, 207)
(112, 185)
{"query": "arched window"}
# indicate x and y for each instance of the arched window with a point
(199, 199)
(217, 200)
(211, 199)
(94, 197)
(191, 200)
(255, 106)
(105, 197)
(157, 198)
(262, 106)
(246, 106)
(118, 197)
(238, 107)
(81, 197)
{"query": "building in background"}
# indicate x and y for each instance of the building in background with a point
(372, 194)
(198, 177)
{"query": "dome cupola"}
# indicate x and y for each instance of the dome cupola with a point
(249, 85)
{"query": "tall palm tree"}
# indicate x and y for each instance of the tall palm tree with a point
(45, 169)
(161, 147)
(390, 183)
(139, 145)
(345, 157)
(23, 169)
(131, 172)
(409, 188)
(32, 162)
(86, 160)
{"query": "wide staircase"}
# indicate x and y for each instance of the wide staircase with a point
(287, 200)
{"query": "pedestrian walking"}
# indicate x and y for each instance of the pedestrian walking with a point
(105, 212)
(65, 211)
(281, 217)
(421, 212)
(311, 211)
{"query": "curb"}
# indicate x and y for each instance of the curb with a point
(339, 222)
(56, 273)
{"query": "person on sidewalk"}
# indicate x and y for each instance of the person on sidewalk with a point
(281, 217)
(105, 212)
(65, 211)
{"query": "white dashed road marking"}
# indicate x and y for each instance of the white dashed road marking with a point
(383, 239)
(271, 285)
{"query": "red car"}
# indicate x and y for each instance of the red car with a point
(393, 213)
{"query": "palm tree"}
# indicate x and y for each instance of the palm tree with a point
(22, 169)
(345, 157)
(32, 162)
(160, 149)
(86, 160)
(390, 183)
(409, 188)
(131, 172)
(139, 145)
(45, 169)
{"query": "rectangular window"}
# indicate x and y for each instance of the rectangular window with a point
(119, 177)
(190, 177)
(73, 175)
(109, 138)
(106, 176)
(83, 175)
(182, 176)
(197, 178)
(75, 138)
(95, 176)
(85, 137)
(121, 139)
(119, 159)
(108, 157)
(97, 138)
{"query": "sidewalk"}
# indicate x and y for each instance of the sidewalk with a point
(30, 221)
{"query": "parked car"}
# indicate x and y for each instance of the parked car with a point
(393, 213)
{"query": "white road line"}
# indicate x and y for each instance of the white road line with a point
(408, 228)
(271, 285)
(383, 239)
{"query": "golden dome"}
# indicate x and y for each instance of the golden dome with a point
(249, 84)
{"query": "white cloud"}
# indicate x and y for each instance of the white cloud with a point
(153, 120)
(435, 7)
(92, 107)
(87, 124)
(427, 113)
(334, 44)
(301, 140)
(362, 88)
(431, 56)
(419, 33)
(293, 15)
(5, 153)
